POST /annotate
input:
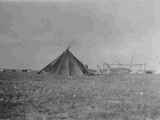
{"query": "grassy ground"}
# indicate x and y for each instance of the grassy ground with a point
(110, 97)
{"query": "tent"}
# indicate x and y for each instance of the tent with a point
(66, 65)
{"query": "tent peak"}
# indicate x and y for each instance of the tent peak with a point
(68, 48)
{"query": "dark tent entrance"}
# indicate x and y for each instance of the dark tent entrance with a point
(66, 65)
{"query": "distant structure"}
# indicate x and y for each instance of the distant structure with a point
(149, 72)
(25, 70)
(8, 70)
(122, 68)
(108, 68)
(15, 70)
(66, 65)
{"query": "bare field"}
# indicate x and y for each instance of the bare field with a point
(110, 97)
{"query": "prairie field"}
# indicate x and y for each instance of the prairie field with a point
(30, 96)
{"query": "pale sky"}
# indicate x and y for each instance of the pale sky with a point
(34, 33)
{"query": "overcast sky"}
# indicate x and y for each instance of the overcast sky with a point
(32, 34)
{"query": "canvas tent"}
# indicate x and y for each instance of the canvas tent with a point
(66, 65)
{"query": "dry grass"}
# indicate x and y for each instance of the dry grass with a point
(112, 97)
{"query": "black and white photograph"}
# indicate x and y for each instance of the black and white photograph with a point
(79, 59)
